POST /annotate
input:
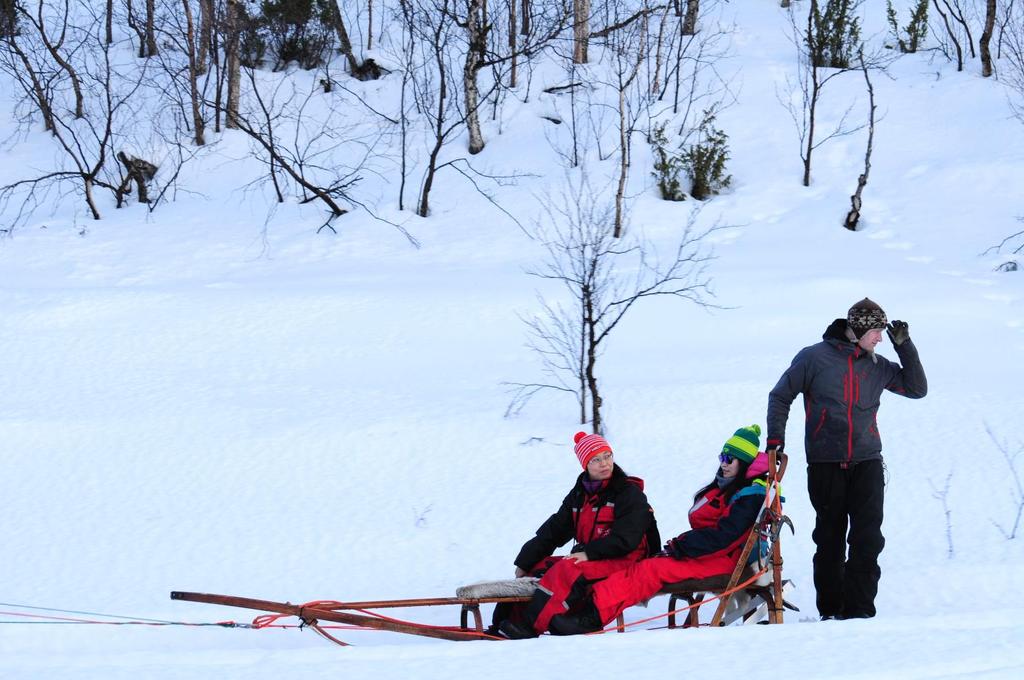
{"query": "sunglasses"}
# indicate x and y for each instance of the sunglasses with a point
(726, 458)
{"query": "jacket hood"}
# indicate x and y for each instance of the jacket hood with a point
(836, 331)
(759, 466)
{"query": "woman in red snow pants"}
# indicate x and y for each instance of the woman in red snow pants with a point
(723, 514)
(607, 516)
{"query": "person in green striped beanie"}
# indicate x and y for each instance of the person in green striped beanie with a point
(744, 444)
(739, 460)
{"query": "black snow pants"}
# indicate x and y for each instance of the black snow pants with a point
(847, 498)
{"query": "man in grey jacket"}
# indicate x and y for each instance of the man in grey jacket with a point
(842, 380)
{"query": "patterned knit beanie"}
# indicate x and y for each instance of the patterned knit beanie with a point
(865, 316)
(744, 444)
(588, 446)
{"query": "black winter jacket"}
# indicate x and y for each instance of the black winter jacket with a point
(633, 521)
(842, 385)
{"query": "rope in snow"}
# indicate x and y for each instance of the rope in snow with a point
(127, 620)
(54, 619)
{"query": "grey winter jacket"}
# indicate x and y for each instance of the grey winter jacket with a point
(842, 385)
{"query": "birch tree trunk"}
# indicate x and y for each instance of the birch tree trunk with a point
(206, 18)
(150, 28)
(986, 37)
(234, 66)
(514, 66)
(344, 44)
(477, 45)
(580, 30)
(690, 20)
(656, 80)
(190, 43)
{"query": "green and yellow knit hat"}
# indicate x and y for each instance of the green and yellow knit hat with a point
(744, 444)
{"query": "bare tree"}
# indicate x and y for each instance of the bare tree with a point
(602, 278)
(813, 77)
(477, 28)
(30, 78)
(84, 143)
(434, 87)
(480, 56)
(369, 24)
(1016, 485)
(447, 96)
(856, 200)
(942, 495)
(109, 26)
(193, 73)
(958, 30)
(951, 34)
(580, 31)
(207, 17)
(691, 70)
(234, 64)
(630, 50)
(138, 27)
(986, 38)
(151, 48)
(1013, 67)
(41, 24)
(658, 51)
(278, 116)
(1014, 243)
(690, 20)
(366, 70)
(513, 74)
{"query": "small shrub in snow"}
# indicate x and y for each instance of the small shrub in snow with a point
(834, 36)
(298, 30)
(252, 37)
(668, 165)
(911, 37)
(705, 160)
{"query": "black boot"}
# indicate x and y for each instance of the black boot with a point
(516, 631)
(587, 620)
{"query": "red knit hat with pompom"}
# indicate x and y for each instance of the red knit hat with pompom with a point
(588, 446)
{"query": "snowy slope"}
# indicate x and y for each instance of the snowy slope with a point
(191, 401)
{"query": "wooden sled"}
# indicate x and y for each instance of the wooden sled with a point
(766, 591)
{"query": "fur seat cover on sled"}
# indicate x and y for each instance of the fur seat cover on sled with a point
(513, 587)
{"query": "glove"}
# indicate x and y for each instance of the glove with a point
(899, 332)
(776, 444)
(674, 548)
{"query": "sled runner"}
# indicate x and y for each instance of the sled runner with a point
(754, 588)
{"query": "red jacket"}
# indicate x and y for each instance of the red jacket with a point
(718, 527)
(616, 522)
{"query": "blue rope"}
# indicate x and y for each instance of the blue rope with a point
(74, 611)
(132, 620)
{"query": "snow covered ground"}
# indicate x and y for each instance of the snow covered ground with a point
(188, 402)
